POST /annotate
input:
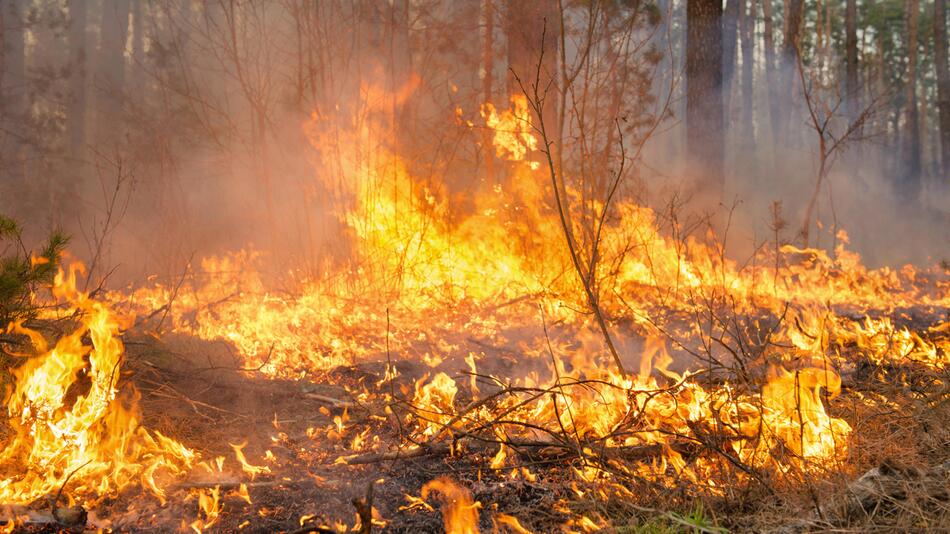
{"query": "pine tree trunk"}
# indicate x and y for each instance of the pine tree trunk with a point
(76, 115)
(13, 104)
(138, 46)
(912, 126)
(488, 81)
(943, 82)
(771, 78)
(704, 106)
(789, 64)
(851, 58)
(75, 112)
(730, 37)
(527, 22)
(488, 50)
(111, 72)
(748, 63)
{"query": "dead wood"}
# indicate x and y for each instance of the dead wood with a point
(61, 516)
(336, 403)
(535, 450)
(228, 485)
(415, 452)
(364, 509)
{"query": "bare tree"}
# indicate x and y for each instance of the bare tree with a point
(825, 120)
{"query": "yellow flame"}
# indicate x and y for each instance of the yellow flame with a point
(459, 512)
(65, 428)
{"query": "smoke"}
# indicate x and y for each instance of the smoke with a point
(212, 146)
(865, 192)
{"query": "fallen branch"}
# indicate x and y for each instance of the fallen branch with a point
(528, 449)
(364, 509)
(228, 485)
(61, 516)
(377, 457)
(336, 403)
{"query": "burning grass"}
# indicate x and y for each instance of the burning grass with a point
(454, 365)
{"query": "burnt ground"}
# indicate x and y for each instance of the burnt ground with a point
(191, 390)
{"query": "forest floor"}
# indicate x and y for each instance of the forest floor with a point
(192, 391)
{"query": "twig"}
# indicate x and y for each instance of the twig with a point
(364, 509)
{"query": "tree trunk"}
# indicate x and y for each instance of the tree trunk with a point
(400, 71)
(75, 113)
(111, 80)
(488, 81)
(13, 105)
(528, 22)
(770, 75)
(138, 46)
(943, 82)
(730, 37)
(912, 126)
(704, 107)
(789, 65)
(488, 50)
(748, 63)
(851, 58)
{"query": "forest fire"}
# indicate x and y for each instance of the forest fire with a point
(539, 349)
(652, 425)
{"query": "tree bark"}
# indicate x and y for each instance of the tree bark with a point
(13, 103)
(76, 112)
(76, 115)
(730, 37)
(488, 50)
(770, 76)
(943, 82)
(912, 125)
(748, 63)
(111, 79)
(704, 105)
(851, 58)
(527, 22)
(488, 82)
(789, 64)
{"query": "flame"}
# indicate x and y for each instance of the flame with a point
(436, 399)
(421, 273)
(459, 512)
(250, 470)
(511, 523)
(797, 416)
(513, 137)
(79, 430)
(209, 506)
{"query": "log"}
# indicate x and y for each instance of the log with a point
(533, 450)
(377, 457)
(63, 516)
(336, 403)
